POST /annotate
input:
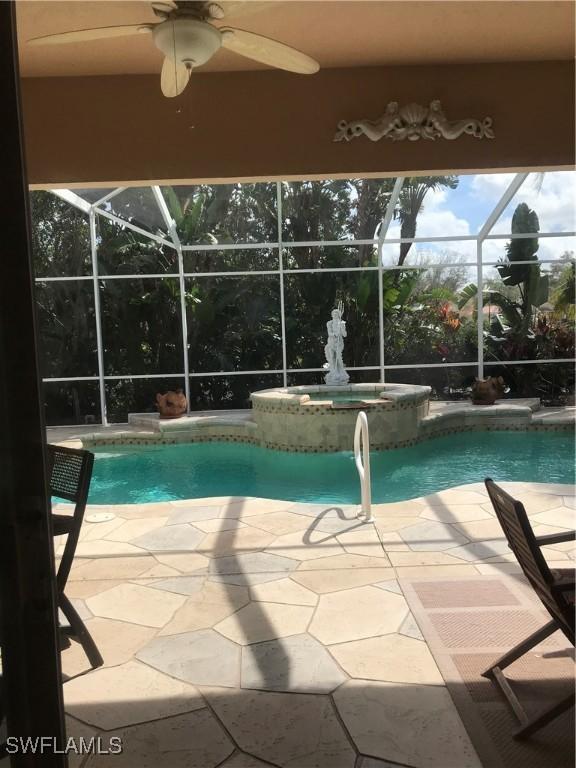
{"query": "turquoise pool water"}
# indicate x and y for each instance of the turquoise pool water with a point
(161, 473)
(345, 397)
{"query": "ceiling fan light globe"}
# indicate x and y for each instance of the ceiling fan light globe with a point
(187, 40)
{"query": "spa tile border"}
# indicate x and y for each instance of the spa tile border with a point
(428, 431)
(326, 409)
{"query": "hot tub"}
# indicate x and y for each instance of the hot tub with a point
(322, 418)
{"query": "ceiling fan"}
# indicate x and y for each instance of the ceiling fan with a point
(187, 37)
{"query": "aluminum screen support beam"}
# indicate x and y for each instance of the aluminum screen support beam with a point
(501, 206)
(379, 241)
(171, 226)
(98, 317)
(515, 185)
(480, 309)
(184, 319)
(168, 220)
(281, 274)
(71, 197)
(107, 197)
(385, 224)
(134, 228)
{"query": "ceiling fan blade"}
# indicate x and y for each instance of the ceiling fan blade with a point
(164, 7)
(98, 33)
(268, 51)
(174, 77)
(233, 8)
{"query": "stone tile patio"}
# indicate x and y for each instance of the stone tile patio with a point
(247, 633)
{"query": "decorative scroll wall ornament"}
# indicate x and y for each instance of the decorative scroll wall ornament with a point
(414, 122)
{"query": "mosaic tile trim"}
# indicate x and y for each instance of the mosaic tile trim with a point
(305, 409)
(427, 432)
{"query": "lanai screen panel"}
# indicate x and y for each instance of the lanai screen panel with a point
(225, 289)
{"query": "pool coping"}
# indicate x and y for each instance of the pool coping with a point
(98, 541)
(444, 418)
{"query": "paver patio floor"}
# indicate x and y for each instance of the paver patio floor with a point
(245, 633)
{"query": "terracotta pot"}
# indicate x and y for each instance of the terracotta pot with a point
(172, 405)
(487, 391)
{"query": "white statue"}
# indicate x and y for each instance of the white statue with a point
(334, 348)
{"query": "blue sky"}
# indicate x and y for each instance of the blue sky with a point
(463, 211)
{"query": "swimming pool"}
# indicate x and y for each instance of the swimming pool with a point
(139, 474)
(344, 397)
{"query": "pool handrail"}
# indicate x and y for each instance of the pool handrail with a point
(362, 459)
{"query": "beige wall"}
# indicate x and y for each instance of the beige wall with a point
(271, 124)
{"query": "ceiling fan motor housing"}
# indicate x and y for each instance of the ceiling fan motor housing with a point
(188, 41)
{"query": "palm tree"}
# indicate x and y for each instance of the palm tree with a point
(399, 285)
(410, 205)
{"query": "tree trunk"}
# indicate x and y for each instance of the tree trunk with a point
(408, 229)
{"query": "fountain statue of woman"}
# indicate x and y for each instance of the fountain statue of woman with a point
(336, 327)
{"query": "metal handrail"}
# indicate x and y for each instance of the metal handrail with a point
(362, 459)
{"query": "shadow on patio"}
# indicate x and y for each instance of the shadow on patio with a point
(294, 643)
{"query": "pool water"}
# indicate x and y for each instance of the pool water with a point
(345, 397)
(162, 473)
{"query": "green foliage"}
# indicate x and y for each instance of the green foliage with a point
(515, 319)
(511, 316)
(234, 322)
(421, 324)
(524, 221)
(518, 330)
(533, 286)
(467, 293)
(223, 213)
(60, 237)
(564, 296)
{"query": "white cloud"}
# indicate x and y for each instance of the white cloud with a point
(435, 223)
(435, 220)
(555, 247)
(493, 250)
(554, 203)
(554, 200)
(550, 248)
(491, 186)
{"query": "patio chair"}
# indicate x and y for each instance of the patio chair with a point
(69, 475)
(554, 588)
